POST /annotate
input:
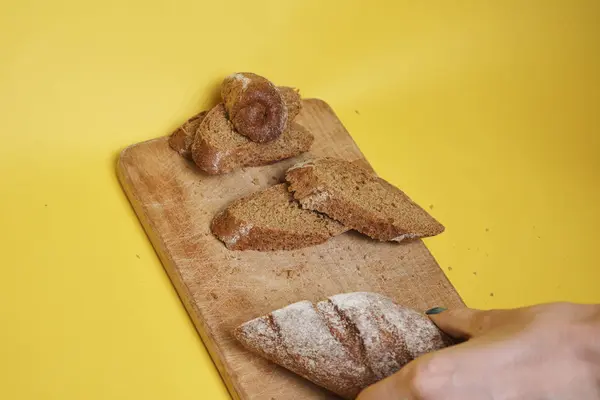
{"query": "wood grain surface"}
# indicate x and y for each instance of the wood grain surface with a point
(221, 289)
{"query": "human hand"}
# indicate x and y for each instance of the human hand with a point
(545, 352)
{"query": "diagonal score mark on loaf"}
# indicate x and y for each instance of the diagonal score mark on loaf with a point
(278, 351)
(383, 348)
(392, 335)
(313, 352)
(347, 334)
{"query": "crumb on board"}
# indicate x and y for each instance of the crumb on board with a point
(431, 206)
(137, 255)
(449, 268)
(356, 111)
(492, 294)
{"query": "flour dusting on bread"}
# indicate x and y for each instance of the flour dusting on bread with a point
(240, 77)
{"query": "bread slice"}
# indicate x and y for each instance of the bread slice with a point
(218, 148)
(345, 343)
(360, 200)
(181, 140)
(272, 220)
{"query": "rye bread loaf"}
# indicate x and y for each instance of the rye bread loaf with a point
(181, 140)
(255, 106)
(218, 148)
(272, 220)
(346, 342)
(359, 200)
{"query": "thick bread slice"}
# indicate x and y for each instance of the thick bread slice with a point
(181, 140)
(218, 148)
(272, 220)
(360, 200)
(346, 342)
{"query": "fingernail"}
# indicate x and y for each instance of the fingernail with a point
(435, 310)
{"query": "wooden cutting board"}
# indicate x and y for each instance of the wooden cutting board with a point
(221, 289)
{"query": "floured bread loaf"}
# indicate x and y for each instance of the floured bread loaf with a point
(272, 220)
(360, 200)
(345, 343)
(255, 106)
(218, 148)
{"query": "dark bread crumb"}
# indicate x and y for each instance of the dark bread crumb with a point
(272, 220)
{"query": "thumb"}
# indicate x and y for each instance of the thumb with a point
(462, 323)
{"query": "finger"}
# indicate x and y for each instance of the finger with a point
(464, 323)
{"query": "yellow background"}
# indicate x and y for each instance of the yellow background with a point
(486, 110)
